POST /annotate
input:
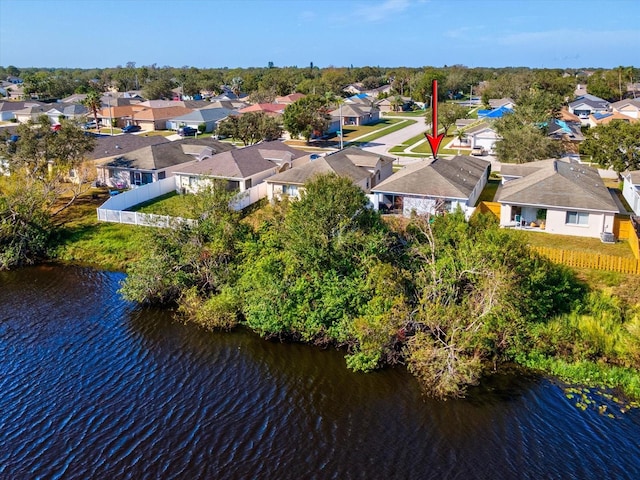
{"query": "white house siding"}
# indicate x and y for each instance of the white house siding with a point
(556, 221)
(629, 111)
(486, 139)
(631, 193)
(425, 205)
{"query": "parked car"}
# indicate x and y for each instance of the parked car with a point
(131, 129)
(187, 131)
(56, 127)
(89, 125)
(479, 151)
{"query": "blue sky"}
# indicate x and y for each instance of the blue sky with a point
(243, 33)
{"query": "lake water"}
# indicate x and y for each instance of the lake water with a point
(92, 387)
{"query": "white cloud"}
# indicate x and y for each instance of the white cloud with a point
(372, 12)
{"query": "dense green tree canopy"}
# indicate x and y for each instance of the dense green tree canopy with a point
(306, 116)
(251, 127)
(616, 144)
(38, 163)
(448, 113)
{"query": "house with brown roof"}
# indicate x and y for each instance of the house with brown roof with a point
(429, 187)
(365, 169)
(271, 109)
(156, 118)
(560, 196)
(241, 168)
(155, 162)
(289, 99)
(605, 118)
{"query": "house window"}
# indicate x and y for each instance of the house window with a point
(291, 190)
(162, 175)
(577, 218)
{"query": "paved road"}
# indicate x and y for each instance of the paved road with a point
(383, 144)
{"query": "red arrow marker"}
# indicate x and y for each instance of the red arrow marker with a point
(434, 139)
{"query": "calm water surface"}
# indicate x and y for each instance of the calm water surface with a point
(92, 387)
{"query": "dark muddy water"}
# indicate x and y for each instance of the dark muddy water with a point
(92, 387)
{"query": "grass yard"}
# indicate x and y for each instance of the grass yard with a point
(489, 191)
(351, 132)
(171, 204)
(84, 240)
(582, 244)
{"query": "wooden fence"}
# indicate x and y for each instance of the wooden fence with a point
(597, 261)
(624, 230)
(489, 207)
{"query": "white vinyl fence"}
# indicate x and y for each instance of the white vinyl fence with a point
(114, 209)
(249, 196)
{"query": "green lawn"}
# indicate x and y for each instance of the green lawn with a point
(171, 204)
(489, 191)
(567, 242)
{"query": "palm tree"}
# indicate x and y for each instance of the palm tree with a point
(397, 103)
(93, 103)
(236, 83)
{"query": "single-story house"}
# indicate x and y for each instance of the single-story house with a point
(289, 99)
(69, 111)
(210, 117)
(353, 114)
(596, 119)
(587, 104)
(271, 109)
(560, 196)
(482, 135)
(394, 104)
(631, 190)
(364, 168)
(426, 187)
(501, 102)
(155, 162)
(242, 168)
(8, 109)
(55, 111)
(230, 104)
(494, 113)
(629, 107)
(152, 118)
(354, 88)
(569, 133)
(109, 146)
(376, 92)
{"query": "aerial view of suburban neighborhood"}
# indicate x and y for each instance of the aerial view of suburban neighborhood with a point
(213, 266)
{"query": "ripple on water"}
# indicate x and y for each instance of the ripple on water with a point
(93, 387)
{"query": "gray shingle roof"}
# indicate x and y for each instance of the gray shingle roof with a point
(559, 183)
(454, 178)
(205, 115)
(164, 155)
(340, 165)
(109, 146)
(244, 162)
